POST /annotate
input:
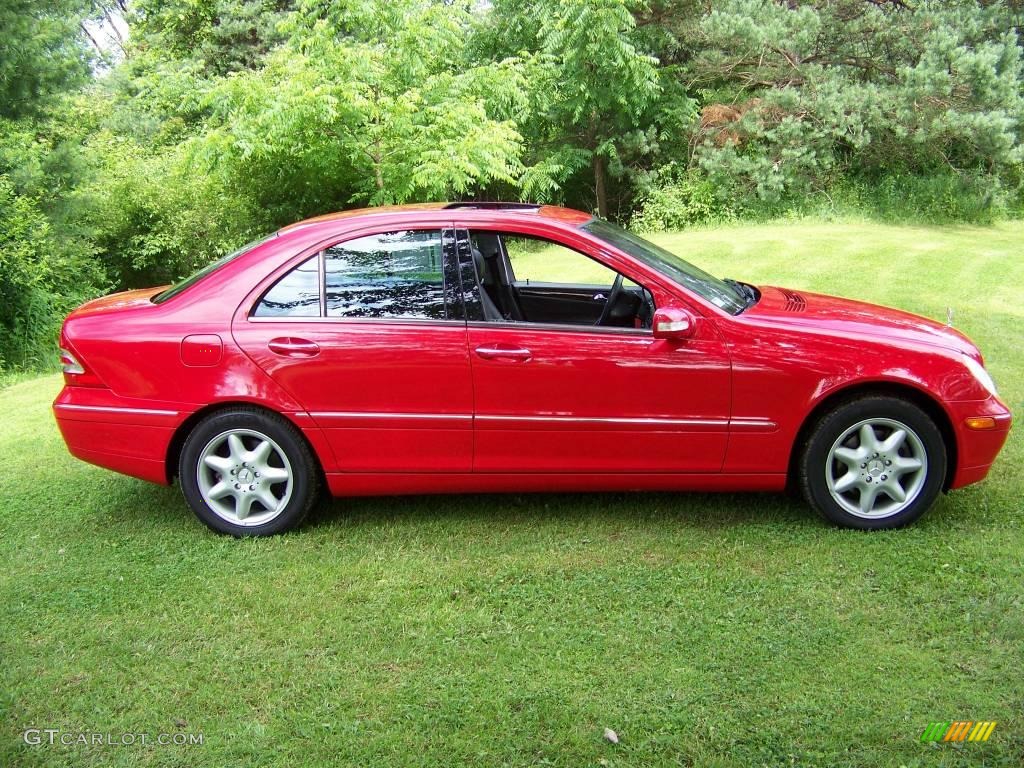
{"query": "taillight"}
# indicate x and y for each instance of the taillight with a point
(75, 373)
(70, 363)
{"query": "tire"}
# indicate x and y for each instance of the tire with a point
(248, 472)
(866, 453)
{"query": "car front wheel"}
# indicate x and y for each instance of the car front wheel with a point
(874, 462)
(247, 472)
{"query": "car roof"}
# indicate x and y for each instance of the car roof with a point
(554, 213)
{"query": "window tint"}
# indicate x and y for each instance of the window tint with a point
(297, 294)
(390, 275)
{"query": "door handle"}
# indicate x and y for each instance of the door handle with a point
(503, 353)
(288, 346)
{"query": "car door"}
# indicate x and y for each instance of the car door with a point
(369, 336)
(574, 397)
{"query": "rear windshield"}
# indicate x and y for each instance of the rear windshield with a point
(194, 278)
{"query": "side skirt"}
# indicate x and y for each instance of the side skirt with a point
(391, 484)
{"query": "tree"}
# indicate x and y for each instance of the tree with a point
(807, 92)
(42, 52)
(597, 98)
(370, 97)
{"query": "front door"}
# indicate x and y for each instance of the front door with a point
(369, 337)
(556, 393)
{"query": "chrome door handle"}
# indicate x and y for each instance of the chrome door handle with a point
(503, 353)
(600, 297)
(288, 346)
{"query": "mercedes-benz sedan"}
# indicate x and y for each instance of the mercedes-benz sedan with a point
(497, 347)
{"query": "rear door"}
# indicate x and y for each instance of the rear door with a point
(564, 395)
(369, 336)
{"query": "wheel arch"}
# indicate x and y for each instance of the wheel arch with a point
(918, 397)
(174, 447)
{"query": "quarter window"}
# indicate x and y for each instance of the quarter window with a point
(389, 275)
(297, 294)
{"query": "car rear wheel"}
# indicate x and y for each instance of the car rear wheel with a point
(247, 472)
(874, 462)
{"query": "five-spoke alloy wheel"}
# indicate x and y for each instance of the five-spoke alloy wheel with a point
(873, 462)
(248, 472)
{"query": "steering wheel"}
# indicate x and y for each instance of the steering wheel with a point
(613, 296)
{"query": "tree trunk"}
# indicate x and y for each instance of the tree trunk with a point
(600, 188)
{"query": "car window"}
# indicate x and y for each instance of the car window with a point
(541, 261)
(525, 279)
(389, 275)
(195, 277)
(718, 292)
(297, 294)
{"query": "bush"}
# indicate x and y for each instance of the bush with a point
(677, 200)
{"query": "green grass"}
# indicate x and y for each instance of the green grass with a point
(712, 630)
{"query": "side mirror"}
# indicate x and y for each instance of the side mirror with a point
(673, 323)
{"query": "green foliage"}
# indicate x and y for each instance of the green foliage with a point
(43, 52)
(220, 36)
(387, 115)
(26, 309)
(677, 199)
(825, 89)
(595, 95)
(216, 121)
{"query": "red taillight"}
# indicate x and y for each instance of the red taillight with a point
(75, 373)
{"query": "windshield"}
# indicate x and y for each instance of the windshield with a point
(194, 278)
(718, 292)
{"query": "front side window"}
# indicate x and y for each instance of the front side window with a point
(541, 261)
(524, 279)
(389, 275)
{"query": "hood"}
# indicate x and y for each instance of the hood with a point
(855, 319)
(118, 301)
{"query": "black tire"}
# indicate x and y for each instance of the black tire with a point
(814, 467)
(289, 453)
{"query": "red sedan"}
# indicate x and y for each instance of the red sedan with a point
(501, 347)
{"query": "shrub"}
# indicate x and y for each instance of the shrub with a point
(677, 200)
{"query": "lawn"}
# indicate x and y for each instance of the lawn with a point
(710, 630)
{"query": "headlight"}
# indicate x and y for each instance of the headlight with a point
(980, 374)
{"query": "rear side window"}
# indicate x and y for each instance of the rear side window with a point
(297, 294)
(389, 275)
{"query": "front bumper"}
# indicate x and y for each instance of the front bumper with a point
(977, 448)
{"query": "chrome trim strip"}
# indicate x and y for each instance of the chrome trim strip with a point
(753, 424)
(749, 423)
(382, 415)
(528, 326)
(115, 409)
(357, 320)
(609, 420)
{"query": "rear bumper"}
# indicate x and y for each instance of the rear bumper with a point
(977, 448)
(126, 435)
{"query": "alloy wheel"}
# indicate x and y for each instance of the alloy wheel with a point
(876, 468)
(244, 477)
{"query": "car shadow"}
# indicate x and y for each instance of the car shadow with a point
(696, 510)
